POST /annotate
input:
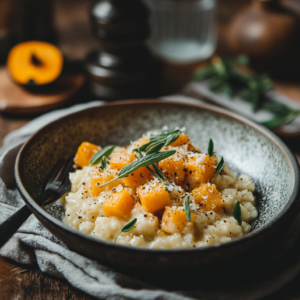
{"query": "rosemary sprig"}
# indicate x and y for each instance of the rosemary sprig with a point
(127, 227)
(23, 271)
(102, 154)
(210, 149)
(237, 213)
(187, 207)
(225, 78)
(145, 161)
(219, 168)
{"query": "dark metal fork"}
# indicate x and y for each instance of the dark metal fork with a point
(56, 185)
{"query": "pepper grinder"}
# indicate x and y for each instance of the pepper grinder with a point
(269, 34)
(123, 67)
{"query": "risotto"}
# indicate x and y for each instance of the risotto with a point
(159, 192)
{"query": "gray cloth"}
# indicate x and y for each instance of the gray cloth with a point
(33, 243)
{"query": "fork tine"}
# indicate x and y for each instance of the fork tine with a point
(64, 170)
(52, 174)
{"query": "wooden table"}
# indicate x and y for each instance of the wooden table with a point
(70, 15)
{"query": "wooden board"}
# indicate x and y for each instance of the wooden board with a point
(16, 100)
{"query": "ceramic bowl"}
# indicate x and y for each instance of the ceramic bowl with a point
(247, 148)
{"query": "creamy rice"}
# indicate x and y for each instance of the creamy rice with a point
(84, 211)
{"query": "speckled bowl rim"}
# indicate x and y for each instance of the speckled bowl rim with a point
(281, 217)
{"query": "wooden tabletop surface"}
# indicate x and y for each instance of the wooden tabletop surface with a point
(70, 15)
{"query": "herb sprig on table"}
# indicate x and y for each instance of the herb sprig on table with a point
(226, 77)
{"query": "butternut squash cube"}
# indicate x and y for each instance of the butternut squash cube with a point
(84, 154)
(173, 169)
(98, 180)
(209, 198)
(154, 197)
(137, 178)
(183, 139)
(200, 169)
(175, 221)
(121, 160)
(118, 204)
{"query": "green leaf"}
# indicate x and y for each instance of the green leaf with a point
(187, 207)
(172, 138)
(127, 227)
(155, 148)
(237, 213)
(204, 73)
(210, 149)
(243, 60)
(219, 168)
(280, 120)
(105, 152)
(145, 161)
(103, 163)
(162, 138)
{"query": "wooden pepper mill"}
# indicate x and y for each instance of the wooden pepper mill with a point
(123, 67)
(269, 35)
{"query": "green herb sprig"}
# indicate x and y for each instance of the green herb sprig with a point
(187, 207)
(237, 213)
(166, 137)
(144, 161)
(126, 228)
(101, 156)
(228, 80)
(210, 149)
(225, 77)
(219, 168)
(23, 271)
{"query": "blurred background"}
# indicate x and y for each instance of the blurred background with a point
(105, 57)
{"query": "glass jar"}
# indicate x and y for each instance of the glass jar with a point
(183, 30)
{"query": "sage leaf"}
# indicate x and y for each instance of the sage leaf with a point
(155, 148)
(187, 207)
(237, 213)
(219, 168)
(142, 162)
(105, 152)
(172, 138)
(167, 139)
(103, 163)
(127, 227)
(210, 149)
(280, 120)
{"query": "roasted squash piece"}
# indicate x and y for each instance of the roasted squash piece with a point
(175, 221)
(183, 139)
(173, 169)
(137, 178)
(118, 204)
(200, 169)
(209, 198)
(98, 180)
(121, 160)
(154, 197)
(84, 154)
(35, 63)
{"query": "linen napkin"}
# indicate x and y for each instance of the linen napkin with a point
(33, 243)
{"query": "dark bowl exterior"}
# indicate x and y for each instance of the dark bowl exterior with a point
(258, 244)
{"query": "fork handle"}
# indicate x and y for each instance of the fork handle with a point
(12, 224)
